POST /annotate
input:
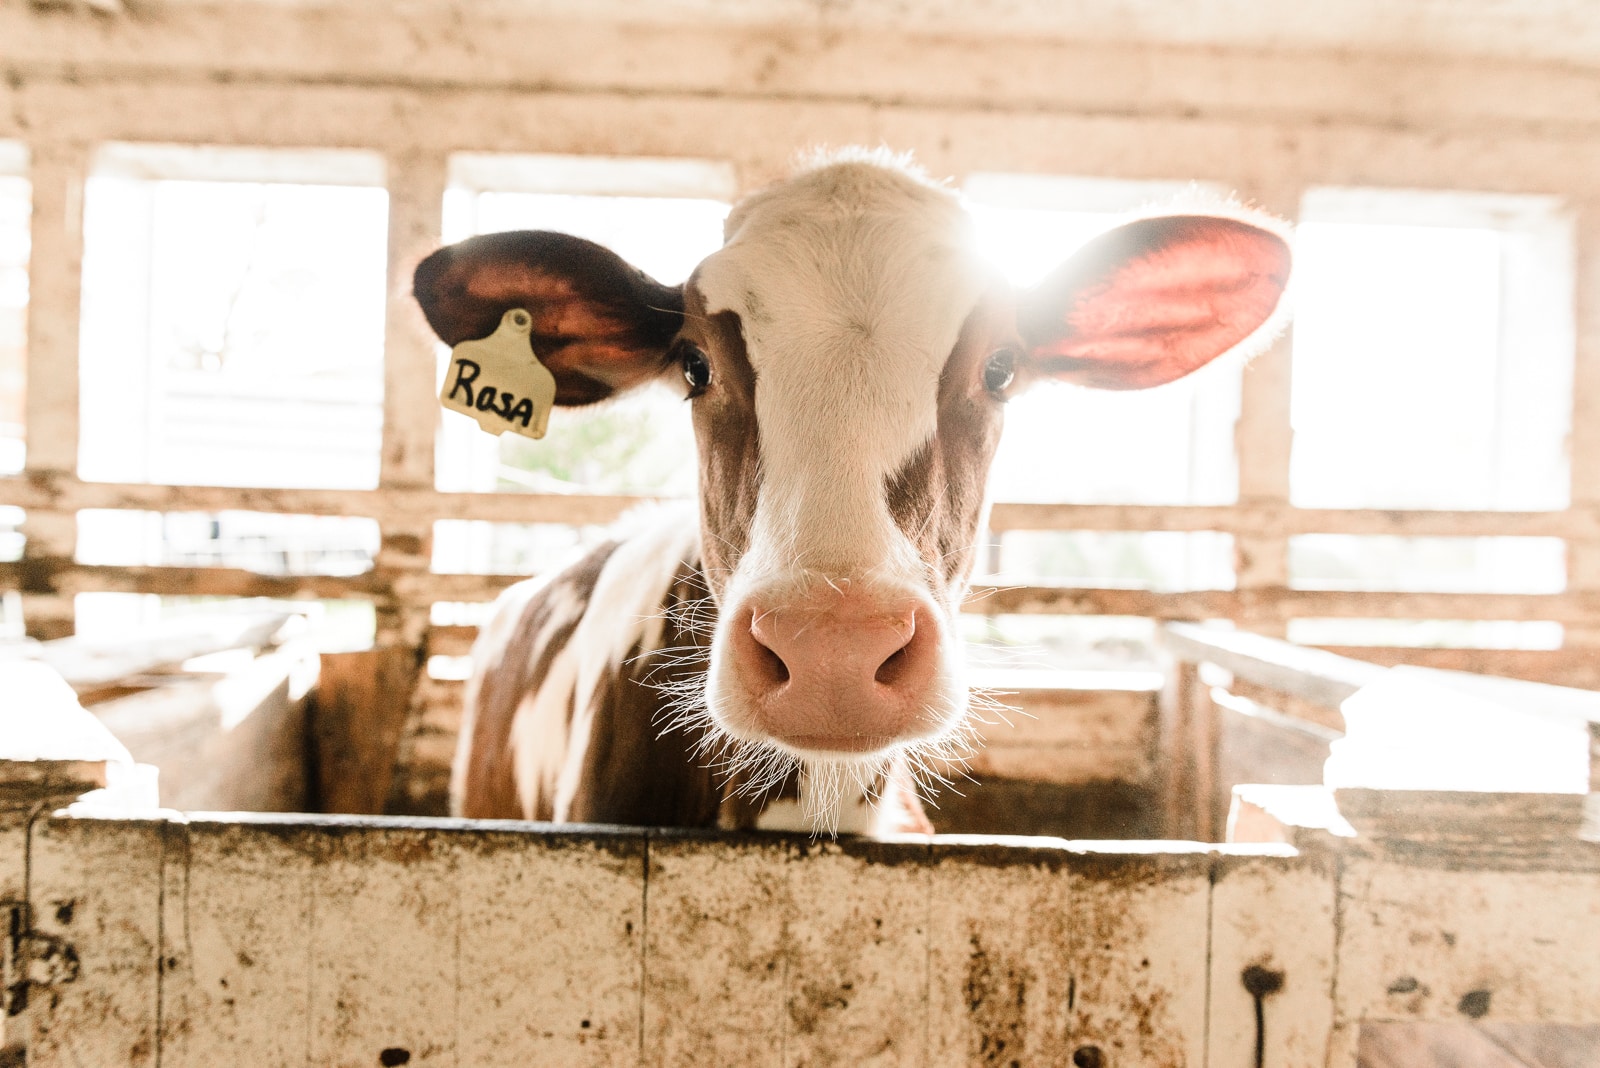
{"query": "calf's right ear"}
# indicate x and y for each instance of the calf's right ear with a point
(600, 325)
(1152, 300)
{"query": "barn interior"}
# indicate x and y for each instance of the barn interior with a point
(239, 535)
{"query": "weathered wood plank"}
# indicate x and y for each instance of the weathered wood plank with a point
(784, 951)
(416, 183)
(1272, 960)
(1422, 941)
(550, 946)
(417, 587)
(1330, 69)
(384, 900)
(231, 743)
(1138, 935)
(14, 914)
(1001, 968)
(716, 950)
(92, 667)
(1558, 667)
(1258, 745)
(238, 938)
(855, 979)
(96, 886)
(1308, 674)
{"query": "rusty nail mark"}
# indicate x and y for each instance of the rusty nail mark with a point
(1262, 983)
(394, 1056)
(1474, 1003)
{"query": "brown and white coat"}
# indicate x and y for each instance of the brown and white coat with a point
(847, 358)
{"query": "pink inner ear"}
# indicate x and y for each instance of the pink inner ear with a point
(1159, 298)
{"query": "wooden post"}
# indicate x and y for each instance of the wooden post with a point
(1188, 755)
(359, 709)
(410, 411)
(386, 706)
(1583, 554)
(55, 273)
(1263, 440)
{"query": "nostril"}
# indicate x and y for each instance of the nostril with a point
(775, 671)
(892, 670)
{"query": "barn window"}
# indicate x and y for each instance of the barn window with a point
(663, 216)
(232, 335)
(233, 305)
(1433, 353)
(1433, 349)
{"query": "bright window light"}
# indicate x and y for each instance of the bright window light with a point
(331, 626)
(1427, 565)
(233, 309)
(1170, 445)
(1154, 560)
(16, 201)
(483, 548)
(1433, 348)
(11, 537)
(264, 542)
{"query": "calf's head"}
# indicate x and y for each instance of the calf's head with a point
(847, 359)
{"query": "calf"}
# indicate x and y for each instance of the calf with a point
(847, 358)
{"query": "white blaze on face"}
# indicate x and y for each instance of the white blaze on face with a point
(851, 284)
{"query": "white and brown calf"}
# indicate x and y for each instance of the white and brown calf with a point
(847, 359)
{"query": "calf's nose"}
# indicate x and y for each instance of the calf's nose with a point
(838, 672)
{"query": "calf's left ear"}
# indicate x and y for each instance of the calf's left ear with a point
(600, 325)
(1153, 300)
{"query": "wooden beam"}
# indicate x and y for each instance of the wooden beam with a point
(985, 59)
(1262, 439)
(1308, 674)
(46, 492)
(55, 273)
(1559, 667)
(67, 579)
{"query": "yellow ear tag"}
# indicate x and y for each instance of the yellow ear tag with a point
(499, 381)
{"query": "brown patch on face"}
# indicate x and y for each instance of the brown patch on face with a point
(937, 495)
(725, 430)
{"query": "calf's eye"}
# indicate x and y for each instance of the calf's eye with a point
(999, 371)
(696, 369)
